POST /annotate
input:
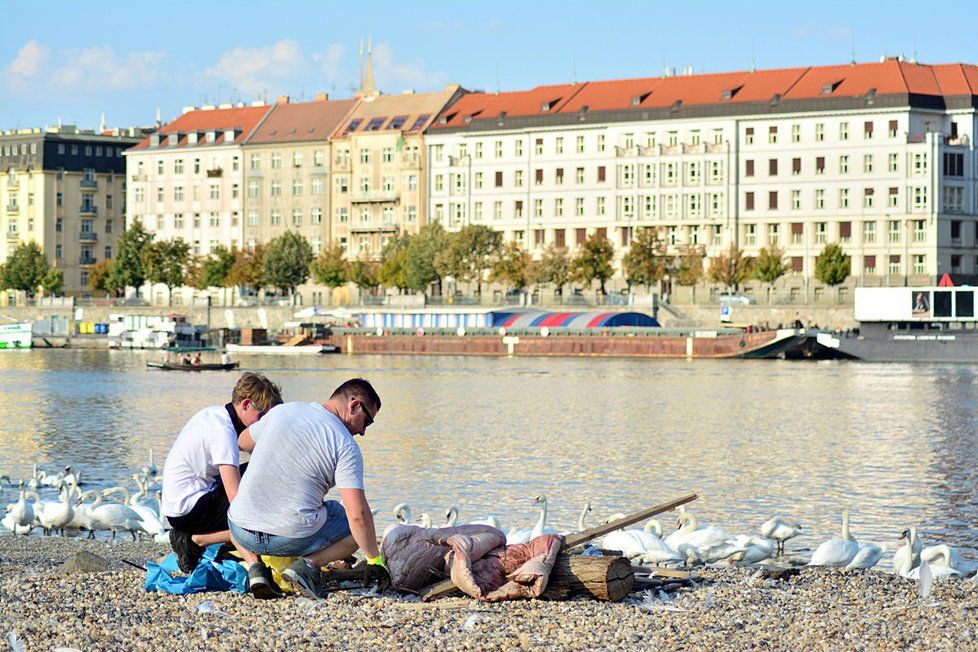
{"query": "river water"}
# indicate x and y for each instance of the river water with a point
(895, 444)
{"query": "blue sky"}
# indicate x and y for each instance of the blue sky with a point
(74, 60)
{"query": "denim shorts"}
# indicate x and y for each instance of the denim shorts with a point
(335, 528)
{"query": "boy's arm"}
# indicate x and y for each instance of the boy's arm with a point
(245, 442)
(230, 477)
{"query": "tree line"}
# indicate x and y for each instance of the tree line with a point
(410, 262)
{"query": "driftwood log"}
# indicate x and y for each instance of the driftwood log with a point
(602, 578)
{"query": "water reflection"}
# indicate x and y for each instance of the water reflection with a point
(893, 443)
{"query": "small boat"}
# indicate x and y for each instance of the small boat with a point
(16, 336)
(167, 366)
(272, 349)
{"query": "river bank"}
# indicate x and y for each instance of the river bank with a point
(728, 609)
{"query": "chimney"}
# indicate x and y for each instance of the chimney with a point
(283, 99)
(321, 97)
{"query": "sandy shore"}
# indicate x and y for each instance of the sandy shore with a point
(729, 609)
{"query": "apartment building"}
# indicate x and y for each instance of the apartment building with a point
(378, 184)
(65, 189)
(287, 176)
(877, 157)
(187, 180)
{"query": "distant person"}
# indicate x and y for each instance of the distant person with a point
(186, 360)
(225, 358)
(201, 472)
(300, 451)
(197, 360)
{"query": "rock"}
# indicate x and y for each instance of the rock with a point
(84, 562)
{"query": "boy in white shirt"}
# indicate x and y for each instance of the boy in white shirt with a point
(201, 473)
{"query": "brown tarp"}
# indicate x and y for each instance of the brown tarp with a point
(476, 557)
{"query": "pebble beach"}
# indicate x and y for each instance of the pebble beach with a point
(44, 606)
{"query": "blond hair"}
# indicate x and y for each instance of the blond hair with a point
(263, 393)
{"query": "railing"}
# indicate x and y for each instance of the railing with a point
(13, 184)
(13, 208)
(140, 176)
(88, 236)
(375, 227)
(86, 260)
(216, 172)
(13, 235)
(88, 184)
(319, 169)
(411, 161)
(88, 210)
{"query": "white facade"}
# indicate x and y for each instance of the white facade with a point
(871, 180)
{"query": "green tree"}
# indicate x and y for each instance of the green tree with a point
(287, 261)
(248, 269)
(646, 262)
(512, 266)
(594, 261)
(423, 248)
(689, 271)
(216, 267)
(98, 276)
(832, 266)
(394, 262)
(553, 267)
(330, 267)
(25, 268)
(53, 281)
(363, 274)
(165, 262)
(469, 254)
(128, 268)
(729, 270)
(769, 266)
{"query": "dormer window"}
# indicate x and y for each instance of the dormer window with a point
(828, 89)
(229, 136)
(211, 136)
(729, 93)
(544, 107)
(172, 139)
(192, 138)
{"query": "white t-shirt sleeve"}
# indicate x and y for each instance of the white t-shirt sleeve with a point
(223, 446)
(349, 467)
(256, 429)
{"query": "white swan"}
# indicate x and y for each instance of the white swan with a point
(837, 552)
(944, 562)
(149, 519)
(525, 536)
(20, 515)
(83, 512)
(56, 515)
(868, 555)
(646, 546)
(115, 517)
(150, 469)
(780, 529)
(712, 543)
(451, 519)
(402, 512)
(71, 477)
(905, 553)
(424, 520)
(750, 549)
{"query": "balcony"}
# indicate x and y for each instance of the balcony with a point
(378, 227)
(319, 169)
(410, 162)
(13, 184)
(254, 173)
(379, 196)
(215, 173)
(13, 208)
(341, 165)
(699, 148)
(88, 236)
(88, 184)
(140, 176)
(88, 209)
(86, 260)
(13, 235)
(626, 151)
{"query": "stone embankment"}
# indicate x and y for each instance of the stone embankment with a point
(43, 606)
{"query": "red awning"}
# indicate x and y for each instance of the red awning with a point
(946, 282)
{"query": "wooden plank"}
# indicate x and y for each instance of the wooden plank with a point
(663, 572)
(444, 588)
(631, 519)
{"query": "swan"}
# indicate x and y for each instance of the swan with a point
(150, 469)
(115, 517)
(525, 536)
(141, 497)
(424, 520)
(915, 547)
(645, 546)
(71, 477)
(944, 562)
(868, 555)
(402, 512)
(581, 520)
(779, 529)
(20, 515)
(149, 518)
(451, 519)
(750, 549)
(713, 543)
(83, 512)
(837, 552)
(56, 515)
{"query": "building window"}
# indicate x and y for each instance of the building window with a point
(867, 163)
(869, 232)
(364, 155)
(868, 129)
(819, 165)
(748, 168)
(843, 131)
(580, 145)
(317, 186)
(276, 160)
(559, 176)
(296, 216)
(795, 166)
(518, 178)
(821, 230)
(796, 133)
(869, 265)
(919, 231)
(772, 200)
(795, 199)
(773, 233)
(518, 147)
(253, 188)
(894, 265)
(920, 198)
(845, 232)
(215, 220)
(601, 143)
(538, 147)
(601, 206)
(275, 217)
(919, 264)
(716, 171)
(797, 232)
(579, 207)
(750, 234)
(843, 164)
(820, 198)
(955, 231)
(749, 135)
(602, 175)
(749, 201)
(894, 231)
(579, 175)
(558, 145)
(276, 190)
(387, 155)
(920, 164)
(843, 198)
(893, 128)
(297, 186)
(772, 135)
(772, 167)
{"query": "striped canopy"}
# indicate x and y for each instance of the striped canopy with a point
(572, 320)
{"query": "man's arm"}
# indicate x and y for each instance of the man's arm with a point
(245, 442)
(361, 520)
(230, 477)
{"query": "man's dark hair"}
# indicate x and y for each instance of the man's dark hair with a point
(359, 389)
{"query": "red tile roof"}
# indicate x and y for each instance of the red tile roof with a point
(301, 121)
(413, 113)
(884, 78)
(244, 118)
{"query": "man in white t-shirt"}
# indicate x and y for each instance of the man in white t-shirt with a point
(201, 472)
(300, 451)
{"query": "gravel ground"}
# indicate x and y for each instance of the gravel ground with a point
(728, 609)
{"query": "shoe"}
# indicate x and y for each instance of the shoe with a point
(260, 582)
(188, 552)
(303, 578)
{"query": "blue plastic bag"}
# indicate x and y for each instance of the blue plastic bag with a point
(209, 575)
